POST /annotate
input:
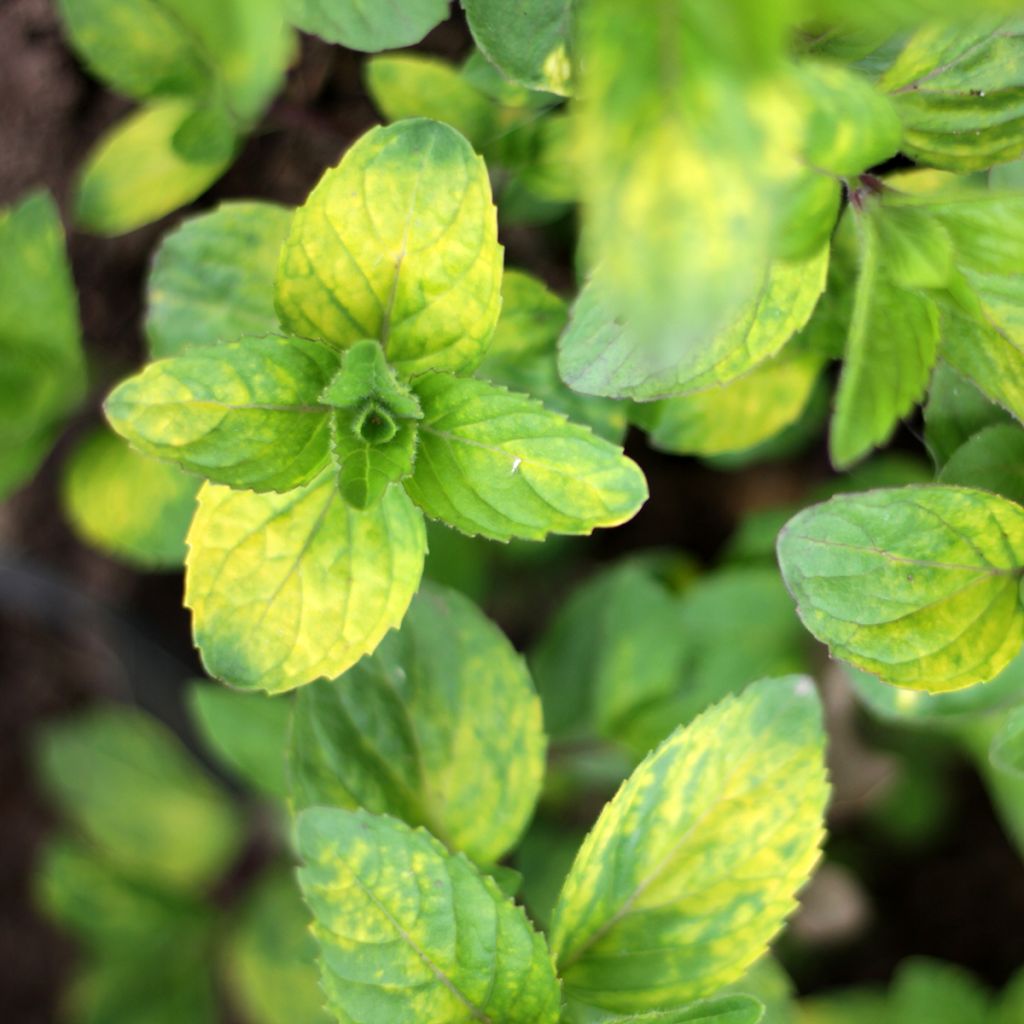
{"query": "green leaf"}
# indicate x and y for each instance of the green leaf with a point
(688, 134)
(213, 278)
(409, 933)
(927, 990)
(270, 957)
(734, 625)
(416, 85)
(956, 87)
(439, 726)
(884, 374)
(527, 40)
(247, 732)
(135, 175)
(956, 410)
(522, 356)
(496, 463)
(1005, 691)
(129, 787)
(599, 356)
(1011, 1005)
(102, 908)
(1007, 750)
(992, 460)
(738, 1009)
(694, 865)
(745, 412)
(398, 243)
(368, 25)
(42, 367)
(142, 49)
(614, 646)
(246, 414)
(850, 126)
(288, 587)
(917, 585)
(128, 505)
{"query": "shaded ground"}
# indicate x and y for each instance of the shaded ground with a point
(74, 626)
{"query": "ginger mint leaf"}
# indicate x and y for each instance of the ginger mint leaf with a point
(992, 460)
(246, 414)
(42, 365)
(365, 377)
(439, 726)
(956, 410)
(688, 135)
(247, 732)
(917, 585)
(368, 26)
(398, 243)
(736, 416)
(599, 355)
(410, 933)
(416, 85)
(213, 278)
(523, 357)
(136, 175)
(884, 372)
(132, 791)
(1007, 750)
(269, 956)
(711, 836)
(528, 41)
(498, 464)
(133, 507)
(731, 1009)
(288, 587)
(956, 88)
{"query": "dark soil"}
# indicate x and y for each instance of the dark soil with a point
(75, 627)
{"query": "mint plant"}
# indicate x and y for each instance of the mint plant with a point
(204, 74)
(389, 288)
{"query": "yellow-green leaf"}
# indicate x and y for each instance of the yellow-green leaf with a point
(917, 585)
(288, 587)
(417, 85)
(409, 933)
(738, 415)
(135, 175)
(130, 788)
(213, 278)
(440, 726)
(398, 243)
(129, 505)
(246, 414)
(270, 957)
(598, 355)
(694, 865)
(496, 463)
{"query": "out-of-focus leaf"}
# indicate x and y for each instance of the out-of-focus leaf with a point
(956, 410)
(369, 26)
(992, 460)
(213, 278)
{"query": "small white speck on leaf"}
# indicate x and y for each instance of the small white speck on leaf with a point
(804, 687)
(516, 463)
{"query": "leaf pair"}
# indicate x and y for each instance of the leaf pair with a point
(204, 73)
(393, 263)
(680, 859)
